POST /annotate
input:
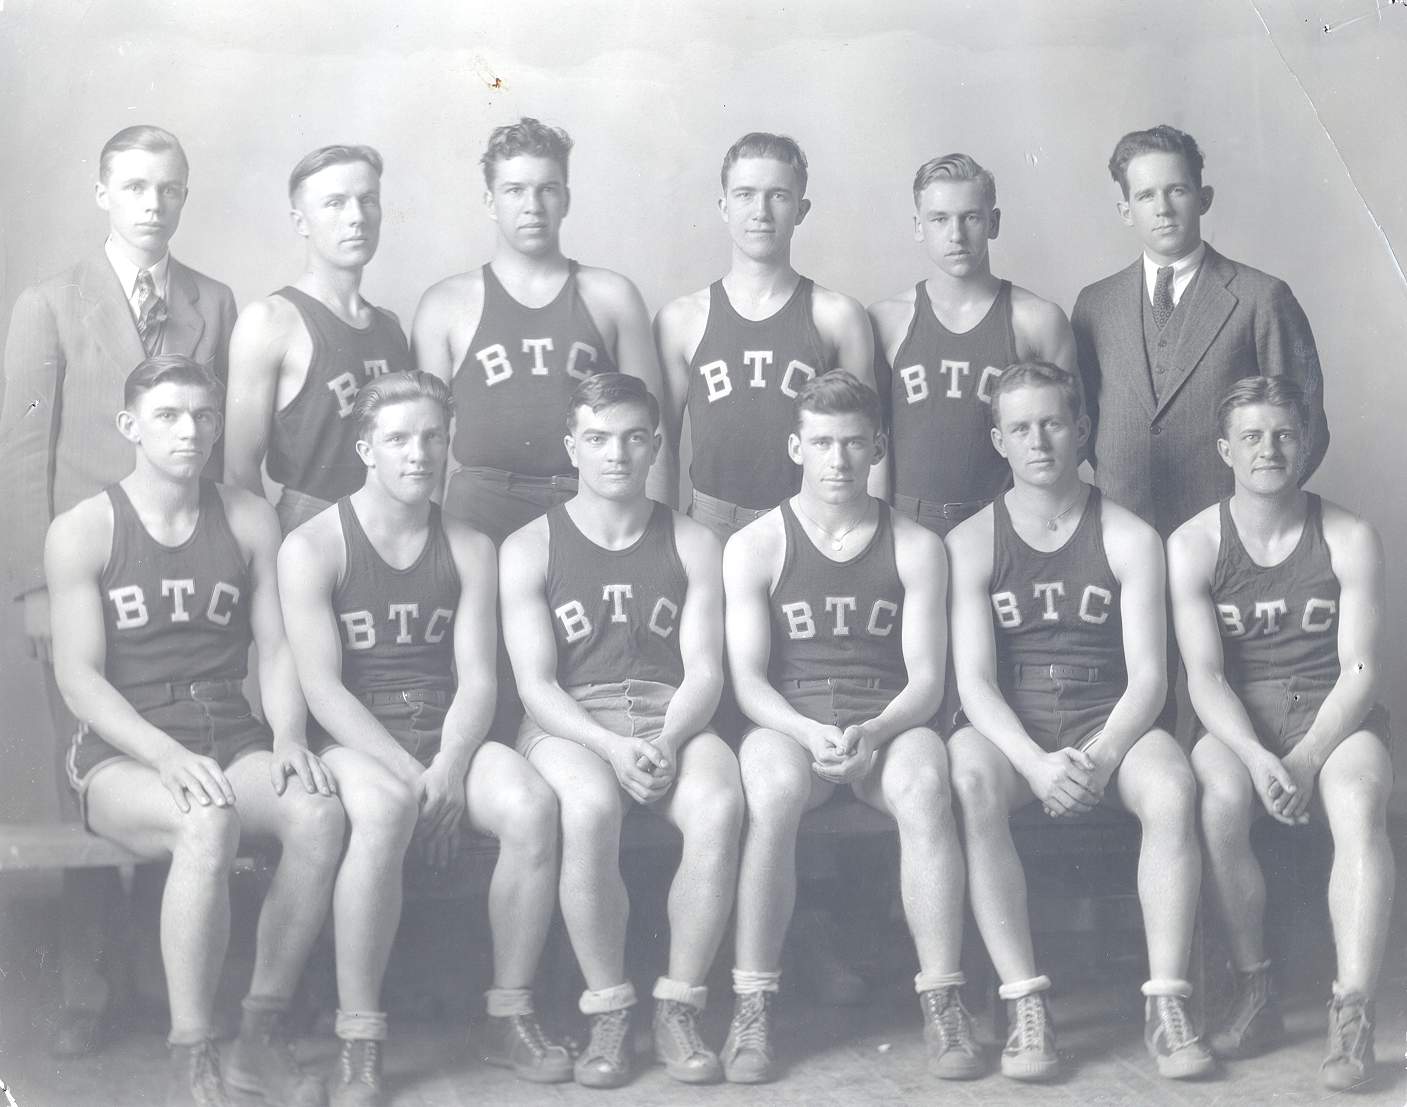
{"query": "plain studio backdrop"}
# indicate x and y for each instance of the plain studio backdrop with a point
(1297, 106)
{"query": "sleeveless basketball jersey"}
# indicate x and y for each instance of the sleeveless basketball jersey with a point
(1057, 608)
(940, 404)
(840, 619)
(396, 625)
(1279, 620)
(615, 613)
(174, 613)
(312, 445)
(743, 380)
(512, 388)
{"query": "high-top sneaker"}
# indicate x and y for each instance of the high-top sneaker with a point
(1253, 1022)
(263, 1063)
(358, 1080)
(517, 1042)
(195, 1076)
(1030, 1044)
(953, 1052)
(747, 1052)
(678, 1045)
(1349, 1062)
(606, 1062)
(1167, 1032)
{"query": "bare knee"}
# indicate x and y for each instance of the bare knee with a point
(980, 797)
(384, 814)
(530, 827)
(311, 824)
(1170, 801)
(776, 793)
(208, 836)
(715, 814)
(591, 816)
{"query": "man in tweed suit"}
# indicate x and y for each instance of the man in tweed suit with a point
(72, 341)
(1160, 341)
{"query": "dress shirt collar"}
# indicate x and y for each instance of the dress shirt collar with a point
(1184, 269)
(127, 271)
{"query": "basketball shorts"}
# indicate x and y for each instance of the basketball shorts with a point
(723, 518)
(937, 517)
(414, 717)
(633, 708)
(1060, 705)
(497, 502)
(1282, 710)
(296, 508)
(209, 717)
(839, 701)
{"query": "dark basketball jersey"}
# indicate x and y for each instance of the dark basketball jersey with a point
(312, 446)
(940, 404)
(838, 618)
(396, 625)
(1278, 620)
(615, 613)
(174, 613)
(1057, 608)
(743, 380)
(512, 388)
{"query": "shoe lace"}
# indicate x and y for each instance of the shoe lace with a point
(752, 1022)
(1347, 1024)
(1172, 1017)
(943, 1009)
(1247, 1001)
(527, 1031)
(361, 1062)
(608, 1032)
(205, 1074)
(681, 1020)
(1031, 1022)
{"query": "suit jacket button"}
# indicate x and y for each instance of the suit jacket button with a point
(1157, 430)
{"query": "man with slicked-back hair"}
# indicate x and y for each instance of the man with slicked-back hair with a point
(72, 341)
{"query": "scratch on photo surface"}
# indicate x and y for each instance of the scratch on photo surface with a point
(1396, 261)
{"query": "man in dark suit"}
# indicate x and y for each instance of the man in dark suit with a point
(1160, 341)
(72, 341)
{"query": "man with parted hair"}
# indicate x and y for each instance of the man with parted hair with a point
(837, 638)
(299, 356)
(613, 613)
(72, 341)
(1058, 628)
(1278, 603)
(946, 340)
(514, 337)
(391, 611)
(160, 583)
(1160, 341)
(734, 357)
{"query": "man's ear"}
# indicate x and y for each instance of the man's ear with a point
(994, 224)
(881, 447)
(127, 427)
(801, 209)
(1205, 194)
(794, 448)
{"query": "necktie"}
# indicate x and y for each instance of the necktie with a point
(1162, 297)
(151, 313)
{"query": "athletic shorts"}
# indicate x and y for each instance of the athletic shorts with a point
(209, 717)
(633, 708)
(497, 502)
(414, 718)
(937, 517)
(1061, 706)
(838, 701)
(1282, 710)
(296, 508)
(720, 516)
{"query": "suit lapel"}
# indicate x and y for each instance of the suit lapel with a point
(1212, 304)
(184, 323)
(107, 316)
(1132, 351)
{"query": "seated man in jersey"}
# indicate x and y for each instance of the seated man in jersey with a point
(1278, 604)
(613, 615)
(159, 583)
(391, 609)
(837, 636)
(1059, 632)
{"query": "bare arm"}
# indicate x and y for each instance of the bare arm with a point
(1136, 557)
(257, 350)
(700, 637)
(884, 320)
(308, 566)
(678, 330)
(475, 650)
(749, 561)
(430, 334)
(74, 555)
(1043, 332)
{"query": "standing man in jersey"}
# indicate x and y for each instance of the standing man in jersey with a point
(299, 356)
(1162, 340)
(1058, 623)
(613, 612)
(72, 341)
(947, 339)
(516, 336)
(736, 354)
(392, 612)
(159, 585)
(836, 637)
(1278, 601)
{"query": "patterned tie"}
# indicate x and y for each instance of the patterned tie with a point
(151, 313)
(1162, 297)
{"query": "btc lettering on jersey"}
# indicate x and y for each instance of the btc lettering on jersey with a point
(840, 618)
(403, 625)
(758, 370)
(131, 608)
(1093, 606)
(1265, 618)
(954, 378)
(617, 606)
(580, 361)
(345, 386)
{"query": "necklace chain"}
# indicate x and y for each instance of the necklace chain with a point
(837, 540)
(1052, 522)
